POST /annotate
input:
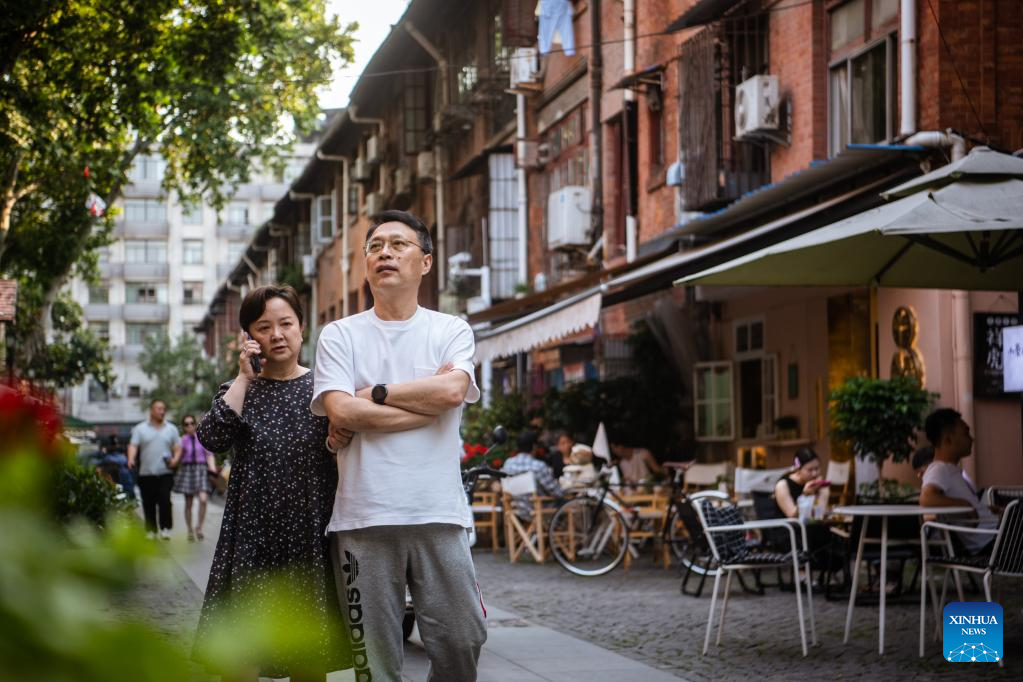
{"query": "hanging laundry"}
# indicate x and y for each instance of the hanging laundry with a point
(95, 205)
(556, 26)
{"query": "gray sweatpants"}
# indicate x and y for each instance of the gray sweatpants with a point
(372, 567)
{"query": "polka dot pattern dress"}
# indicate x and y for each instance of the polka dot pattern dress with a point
(279, 501)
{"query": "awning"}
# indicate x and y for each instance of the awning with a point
(648, 76)
(703, 12)
(549, 324)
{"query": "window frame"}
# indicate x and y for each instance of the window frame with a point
(187, 254)
(323, 219)
(191, 286)
(192, 213)
(713, 402)
(154, 211)
(149, 250)
(95, 393)
(239, 206)
(158, 292)
(129, 326)
(748, 322)
(101, 286)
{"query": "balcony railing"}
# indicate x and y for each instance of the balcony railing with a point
(146, 312)
(146, 271)
(135, 230)
(102, 311)
(234, 230)
(224, 269)
(109, 270)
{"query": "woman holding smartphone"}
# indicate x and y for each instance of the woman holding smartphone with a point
(279, 500)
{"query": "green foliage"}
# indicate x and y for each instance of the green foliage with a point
(879, 418)
(80, 492)
(507, 410)
(184, 378)
(887, 489)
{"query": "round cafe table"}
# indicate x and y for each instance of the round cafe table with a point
(884, 511)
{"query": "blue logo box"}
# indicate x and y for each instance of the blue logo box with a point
(972, 632)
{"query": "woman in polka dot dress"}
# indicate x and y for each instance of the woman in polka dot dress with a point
(272, 562)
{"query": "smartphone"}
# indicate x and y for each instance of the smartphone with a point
(257, 366)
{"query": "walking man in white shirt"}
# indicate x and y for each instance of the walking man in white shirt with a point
(943, 483)
(396, 376)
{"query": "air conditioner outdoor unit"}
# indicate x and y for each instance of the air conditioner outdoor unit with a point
(756, 105)
(532, 154)
(524, 67)
(308, 265)
(360, 170)
(424, 165)
(403, 181)
(374, 203)
(568, 217)
(375, 149)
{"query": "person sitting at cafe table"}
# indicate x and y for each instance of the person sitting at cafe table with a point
(580, 472)
(804, 479)
(943, 482)
(636, 464)
(528, 459)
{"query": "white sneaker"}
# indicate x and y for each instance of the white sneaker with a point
(165, 534)
(150, 535)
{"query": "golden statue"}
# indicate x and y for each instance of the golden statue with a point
(906, 362)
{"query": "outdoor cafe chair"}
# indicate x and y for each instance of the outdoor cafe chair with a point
(838, 475)
(704, 475)
(1005, 561)
(1002, 495)
(525, 535)
(726, 535)
(486, 511)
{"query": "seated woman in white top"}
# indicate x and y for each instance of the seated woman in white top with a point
(636, 464)
(580, 471)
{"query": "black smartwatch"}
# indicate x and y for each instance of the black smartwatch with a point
(379, 394)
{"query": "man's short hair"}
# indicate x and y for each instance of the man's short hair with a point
(923, 456)
(525, 441)
(405, 218)
(940, 422)
(254, 304)
(157, 400)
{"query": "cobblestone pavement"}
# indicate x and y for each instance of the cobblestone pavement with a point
(642, 615)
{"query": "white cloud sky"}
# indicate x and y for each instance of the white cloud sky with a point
(375, 18)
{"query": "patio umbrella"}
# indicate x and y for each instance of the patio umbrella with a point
(959, 227)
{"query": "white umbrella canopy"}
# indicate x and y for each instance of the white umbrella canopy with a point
(959, 230)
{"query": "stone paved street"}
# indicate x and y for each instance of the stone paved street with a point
(640, 614)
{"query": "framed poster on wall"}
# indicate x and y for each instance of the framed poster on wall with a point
(988, 369)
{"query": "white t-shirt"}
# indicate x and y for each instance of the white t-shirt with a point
(409, 477)
(949, 479)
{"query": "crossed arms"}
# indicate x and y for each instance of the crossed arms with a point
(409, 405)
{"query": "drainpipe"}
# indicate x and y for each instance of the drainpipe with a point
(907, 66)
(938, 139)
(522, 190)
(438, 156)
(341, 222)
(629, 64)
(596, 136)
(366, 120)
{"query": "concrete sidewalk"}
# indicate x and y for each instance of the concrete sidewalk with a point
(516, 650)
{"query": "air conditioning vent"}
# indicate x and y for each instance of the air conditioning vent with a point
(756, 106)
(375, 149)
(532, 154)
(361, 171)
(524, 68)
(308, 265)
(568, 217)
(374, 203)
(403, 181)
(424, 165)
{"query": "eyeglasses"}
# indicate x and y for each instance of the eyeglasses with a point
(188, 423)
(397, 246)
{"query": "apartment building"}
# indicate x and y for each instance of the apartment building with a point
(161, 272)
(568, 191)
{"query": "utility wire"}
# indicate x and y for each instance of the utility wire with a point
(955, 67)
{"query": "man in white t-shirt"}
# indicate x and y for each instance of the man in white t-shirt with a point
(396, 377)
(943, 483)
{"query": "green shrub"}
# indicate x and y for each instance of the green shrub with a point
(79, 491)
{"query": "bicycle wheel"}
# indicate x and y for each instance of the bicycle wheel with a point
(685, 552)
(588, 537)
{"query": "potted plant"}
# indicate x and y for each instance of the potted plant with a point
(879, 419)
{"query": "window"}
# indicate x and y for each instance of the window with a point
(713, 404)
(191, 252)
(235, 251)
(353, 198)
(101, 330)
(192, 293)
(134, 391)
(323, 216)
(146, 168)
(238, 214)
(416, 115)
(145, 210)
(99, 293)
(138, 332)
(749, 336)
(103, 255)
(758, 396)
(861, 80)
(292, 169)
(191, 213)
(97, 394)
(655, 126)
(569, 155)
(145, 251)
(145, 292)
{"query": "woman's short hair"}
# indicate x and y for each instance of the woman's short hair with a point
(803, 457)
(408, 219)
(254, 304)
